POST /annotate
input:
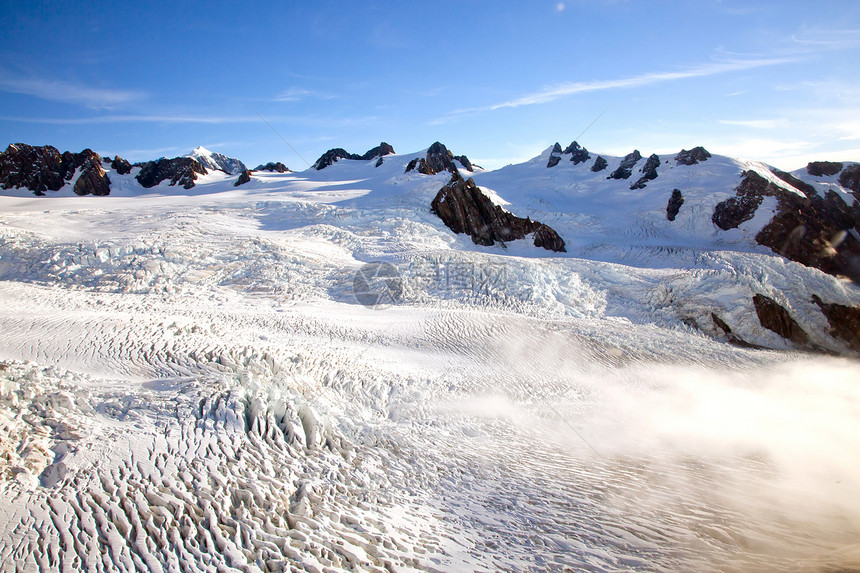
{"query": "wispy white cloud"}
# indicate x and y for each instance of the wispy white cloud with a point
(828, 39)
(67, 92)
(293, 94)
(757, 123)
(132, 119)
(567, 89)
(191, 119)
(572, 88)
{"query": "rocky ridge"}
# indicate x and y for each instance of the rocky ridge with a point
(274, 167)
(438, 159)
(333, 155)
(44, 168)
(807, 227)
(179, 170)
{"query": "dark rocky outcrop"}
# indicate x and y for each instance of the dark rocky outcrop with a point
(93, 180)
(380, 150)
(554, 155)
(437, 160)
(730, 213)
(331, 156)
(801, 186)
(44, 168)
(120, 165)
(38, 169)
(578, 154)
(649, 172)
(811, 229)
(465, 209)
(823, 168)
(693, 156)
(181, 170)
(547, 238)
(626, 168)
(464, 161)
(379, 162)
(844, 322)
(850, 179)
(244, 177)
(815, 232)
(775, 318)
(599, 164)
(733, 338)
(275, 167)
(675, 202)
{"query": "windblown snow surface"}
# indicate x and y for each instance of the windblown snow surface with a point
(189, 383)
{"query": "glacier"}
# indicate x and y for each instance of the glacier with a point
(188, 381)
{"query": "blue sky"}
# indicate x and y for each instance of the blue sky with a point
(777, 81)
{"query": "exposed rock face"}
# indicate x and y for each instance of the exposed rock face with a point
(43, 168)
(733, 338)
(244, 177)
(801, 186)
(181, 170)
(554, 155)
(774, 317)
(810, 230)
(815, 232)
(599, 164)
(850, 179)
(120, 165)
(844, 322)
(748, 196)
(626, 168)
(380, 150)
(649, 172)
(39, 169)
(547, 238)
(464, 161)
(578, 154)
(465, 209)
(692, 156)
(823, 168)
(273, 167)
(332, 155)
(93, 180)
(675, 202)
(437, 160)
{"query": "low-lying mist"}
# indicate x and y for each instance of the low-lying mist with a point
(757, 461)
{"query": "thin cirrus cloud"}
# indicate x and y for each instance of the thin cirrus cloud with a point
(757, 123)
(567, 89)
(132, 119)
(68, 92)
(296, 94)
(315, 121)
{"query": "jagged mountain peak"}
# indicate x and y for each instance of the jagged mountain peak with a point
(217, 161)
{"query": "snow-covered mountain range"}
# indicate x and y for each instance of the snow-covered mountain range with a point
(405, 362)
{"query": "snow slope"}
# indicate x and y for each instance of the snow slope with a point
(188, 382)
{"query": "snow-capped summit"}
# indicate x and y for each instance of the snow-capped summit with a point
(215, 160)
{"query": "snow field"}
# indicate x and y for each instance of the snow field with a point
(188, 384)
